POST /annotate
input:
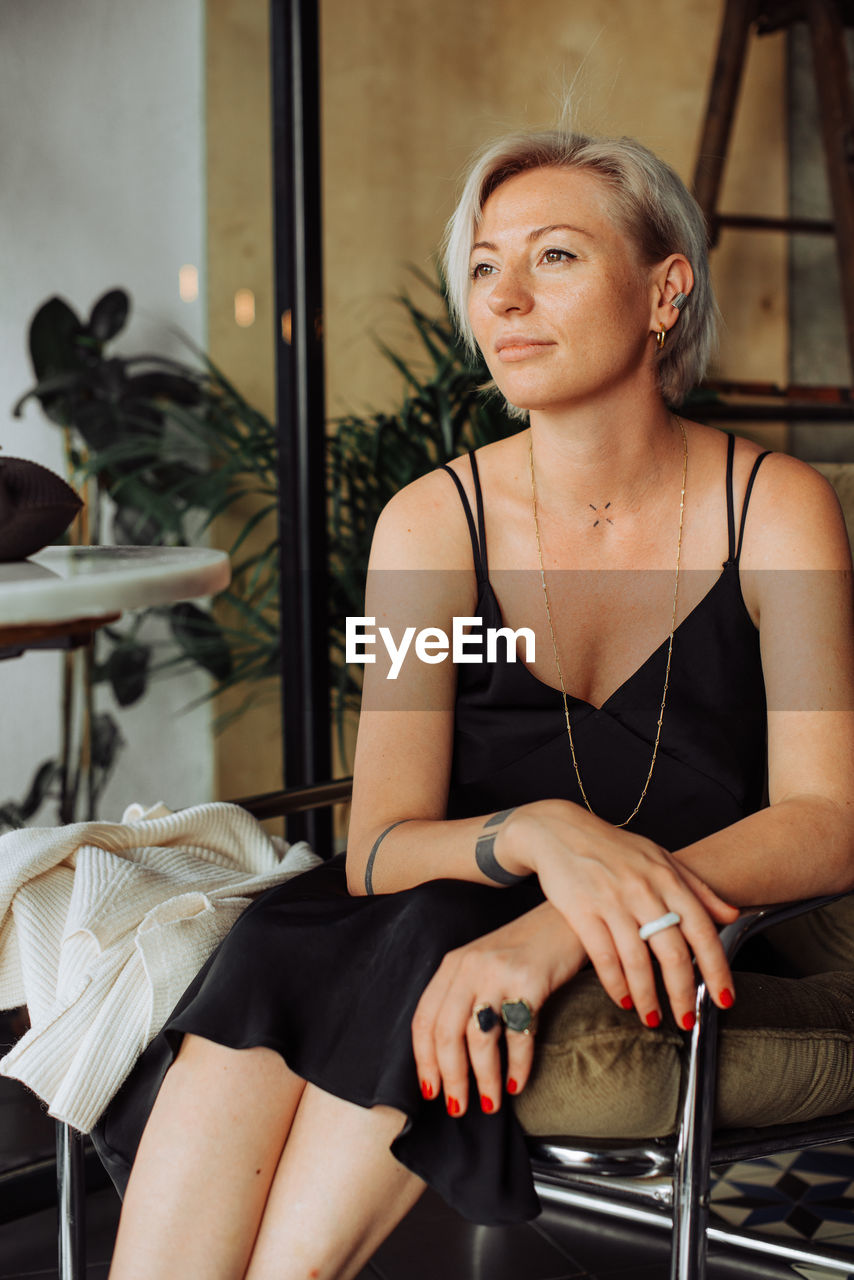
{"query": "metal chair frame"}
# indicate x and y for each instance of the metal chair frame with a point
(663, 1183)
(666, 1182)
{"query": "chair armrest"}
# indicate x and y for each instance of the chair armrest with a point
(277, 804)
(694, 1135)
(756, 919)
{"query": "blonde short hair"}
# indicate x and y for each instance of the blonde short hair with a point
(649, 202)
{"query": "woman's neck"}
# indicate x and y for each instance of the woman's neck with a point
(590, 458)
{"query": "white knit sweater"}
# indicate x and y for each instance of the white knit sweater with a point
(104, 924)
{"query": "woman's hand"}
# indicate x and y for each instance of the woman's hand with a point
(606, 883)
(528, 958)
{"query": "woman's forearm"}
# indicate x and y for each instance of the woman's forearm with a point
(797, 848)
(407, 852)
(499, 848)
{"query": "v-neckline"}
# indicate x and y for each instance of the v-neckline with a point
(574, 699)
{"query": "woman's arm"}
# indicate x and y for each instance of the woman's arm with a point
(420, 575)
(796, 579)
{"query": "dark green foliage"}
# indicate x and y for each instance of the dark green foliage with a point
(174, 446)
(17, 815)
(127, 671)
(107, 741)
(109, 315)
(48, 782)
(204, 643)
(101, 397)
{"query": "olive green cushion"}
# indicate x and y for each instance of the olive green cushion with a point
(786, 1054)
(817, 941)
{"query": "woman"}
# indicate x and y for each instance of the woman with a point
(631, 747)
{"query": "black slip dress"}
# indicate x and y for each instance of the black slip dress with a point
(331, 981)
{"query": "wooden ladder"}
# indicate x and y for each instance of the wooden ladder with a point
(827, 20)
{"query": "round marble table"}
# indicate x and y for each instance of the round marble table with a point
(63, 594)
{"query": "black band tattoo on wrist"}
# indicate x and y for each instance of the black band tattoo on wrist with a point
(485, 856)
(369, 869)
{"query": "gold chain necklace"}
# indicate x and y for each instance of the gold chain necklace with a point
(669, 644)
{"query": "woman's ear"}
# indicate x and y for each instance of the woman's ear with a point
(672, 283)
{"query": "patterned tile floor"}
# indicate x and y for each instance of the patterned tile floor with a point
(804, 1195)
(800, 1195)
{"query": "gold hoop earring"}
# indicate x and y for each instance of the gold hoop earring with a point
(661, 338)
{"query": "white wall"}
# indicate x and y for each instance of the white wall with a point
(101, 137)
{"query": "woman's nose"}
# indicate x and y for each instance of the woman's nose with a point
(511, 292)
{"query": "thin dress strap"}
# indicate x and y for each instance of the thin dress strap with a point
(735, 547)
(481, 523)
(479, 565)
(730, 505)
(747, 494)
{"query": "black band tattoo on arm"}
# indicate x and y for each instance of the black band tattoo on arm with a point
(485, 855)
(369, 869)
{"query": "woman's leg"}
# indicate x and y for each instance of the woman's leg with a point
(337, 1192)
(205, 1163)
(214, 1171)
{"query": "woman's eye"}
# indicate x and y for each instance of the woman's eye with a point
(481, 269)
(558, 255)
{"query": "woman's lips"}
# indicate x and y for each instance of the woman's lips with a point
(510, 350)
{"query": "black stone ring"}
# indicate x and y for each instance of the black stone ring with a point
(517, 1015)
(485, 1017)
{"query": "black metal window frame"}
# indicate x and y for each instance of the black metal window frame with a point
(300, 403)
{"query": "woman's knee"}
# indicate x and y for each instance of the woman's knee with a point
(258, 1072)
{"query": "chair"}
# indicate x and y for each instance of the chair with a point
(663, 1182)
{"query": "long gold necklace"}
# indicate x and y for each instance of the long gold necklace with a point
(669, 643)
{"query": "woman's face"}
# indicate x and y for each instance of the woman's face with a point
(560, 304)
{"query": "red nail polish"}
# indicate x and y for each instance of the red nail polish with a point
(653, 1019)
(486, 1104)
(512, 1086)
(627, 1003)
(688, 1021)
(726, 998)
(427, 1089)
(453, 1107)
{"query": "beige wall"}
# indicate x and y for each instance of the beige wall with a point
(408, 91)
(248, 755)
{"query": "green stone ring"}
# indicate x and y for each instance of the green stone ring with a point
(517, 1015)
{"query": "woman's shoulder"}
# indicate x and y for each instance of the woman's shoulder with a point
(795, 519)
(424, 526)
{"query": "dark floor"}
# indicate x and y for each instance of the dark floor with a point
(803, 1196)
